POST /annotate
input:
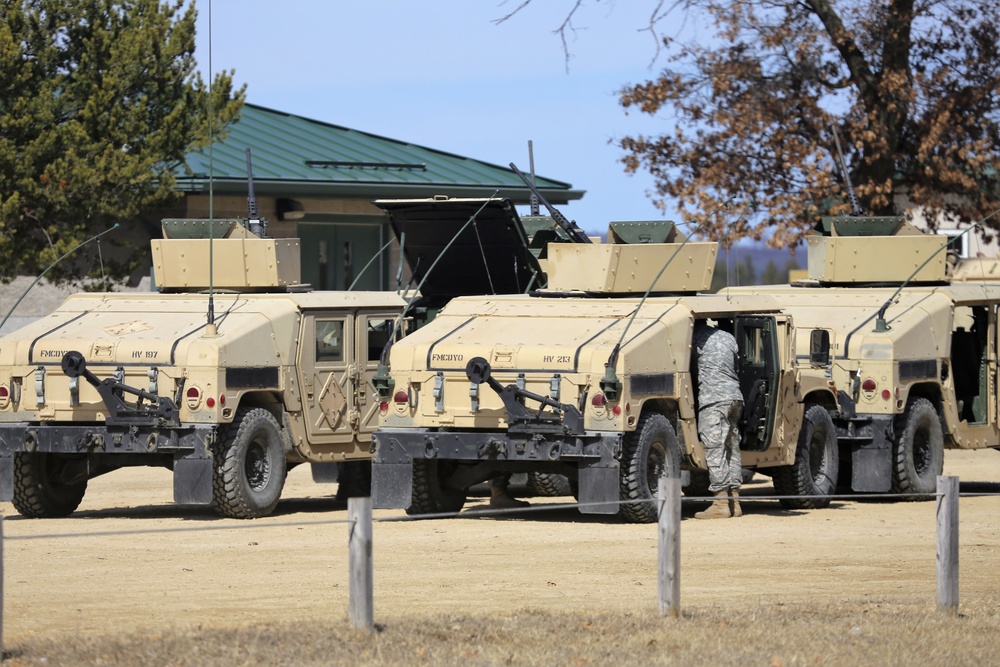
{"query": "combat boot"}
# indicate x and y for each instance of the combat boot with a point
(734, 502)
(500, 497)
(719, 509)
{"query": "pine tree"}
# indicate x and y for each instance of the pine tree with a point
(99, 103)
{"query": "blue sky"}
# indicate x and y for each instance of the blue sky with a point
(442, 74)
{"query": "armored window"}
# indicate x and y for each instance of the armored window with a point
(753, 346)
(379, 331)
(329, 340)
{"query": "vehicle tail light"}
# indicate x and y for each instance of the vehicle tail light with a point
(401, 397)
(193, 396)
(4, 396)
(869, 385)
(599, 400)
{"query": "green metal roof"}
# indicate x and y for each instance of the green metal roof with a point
(293, 155)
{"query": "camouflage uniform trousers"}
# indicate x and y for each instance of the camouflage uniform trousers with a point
(718, 428)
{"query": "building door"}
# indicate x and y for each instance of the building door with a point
(337, 254)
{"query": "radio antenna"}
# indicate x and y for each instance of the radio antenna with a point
(210, 328)
(49, 267)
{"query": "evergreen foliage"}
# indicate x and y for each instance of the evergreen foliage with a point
(99, 102)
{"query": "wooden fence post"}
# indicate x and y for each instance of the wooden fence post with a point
(361, 607)
(947, 544)
(669, 571)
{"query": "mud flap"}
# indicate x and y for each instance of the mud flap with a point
(392, 485)
(871, 463)
(324, 473)
(599, 484)
(193, 481)
(871, 469)
(6, 478)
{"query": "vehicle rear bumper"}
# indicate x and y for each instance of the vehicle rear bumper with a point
(186, 450)
(595, 455)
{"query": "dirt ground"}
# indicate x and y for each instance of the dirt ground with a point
(130, 560)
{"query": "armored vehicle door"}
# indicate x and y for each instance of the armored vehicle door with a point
(759, 372)
(373, 331)
(325, 370)
(971, 361)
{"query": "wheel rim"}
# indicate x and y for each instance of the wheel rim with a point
(257, 466)
(921, 452)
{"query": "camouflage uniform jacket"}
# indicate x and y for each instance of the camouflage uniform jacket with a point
(716, 352)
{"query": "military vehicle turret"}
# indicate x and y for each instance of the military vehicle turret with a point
(592, 378)
(909, 355)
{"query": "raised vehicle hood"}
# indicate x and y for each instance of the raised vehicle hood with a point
(489, 256)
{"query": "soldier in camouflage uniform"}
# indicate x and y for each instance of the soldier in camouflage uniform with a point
(720, 405)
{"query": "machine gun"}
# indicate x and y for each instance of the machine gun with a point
(576, 234)
(257, 224)
(852, 197)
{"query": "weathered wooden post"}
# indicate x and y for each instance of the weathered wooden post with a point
(669, 571)
(361, 606)
(947, 544)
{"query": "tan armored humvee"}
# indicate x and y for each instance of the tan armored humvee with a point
(281, 375)
(909, 355)
(588, 379)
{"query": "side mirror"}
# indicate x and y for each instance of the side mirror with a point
(819, 347)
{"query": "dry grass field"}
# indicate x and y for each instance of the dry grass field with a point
(131, 579)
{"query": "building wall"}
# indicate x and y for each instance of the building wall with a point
(971, 244)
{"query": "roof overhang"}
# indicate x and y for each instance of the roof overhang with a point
(327, 190)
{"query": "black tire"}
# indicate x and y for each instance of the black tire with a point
(918, 450)
(250, 468)
(429, 496)
(40, 487)
(817, 463)
(698, 486)
(549, 484)
(649, 452)
(354, 480)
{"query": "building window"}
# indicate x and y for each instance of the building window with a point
(958, 246)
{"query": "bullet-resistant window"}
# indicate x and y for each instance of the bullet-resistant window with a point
(329, 340)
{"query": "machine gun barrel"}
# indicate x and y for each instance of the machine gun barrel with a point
(852, 196)
(576, 234)
(253, 215)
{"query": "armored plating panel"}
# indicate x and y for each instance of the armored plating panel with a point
(631, 268)
(876, 259)
(237, 264)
